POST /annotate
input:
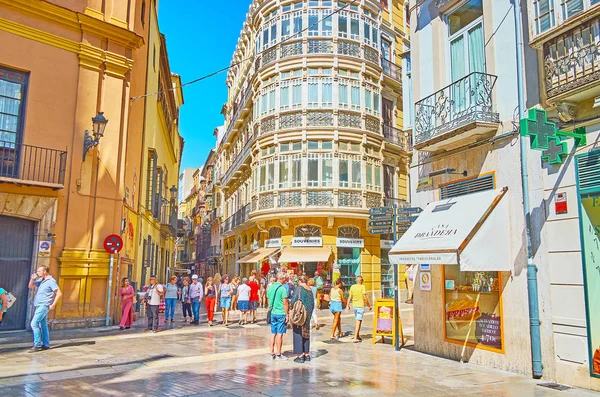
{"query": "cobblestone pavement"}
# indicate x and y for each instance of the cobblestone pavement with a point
(185, 360)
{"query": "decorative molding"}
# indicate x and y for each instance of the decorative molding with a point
(330, 222)
(38, 35)
(284, 222)
(89, 22)
(119, 22)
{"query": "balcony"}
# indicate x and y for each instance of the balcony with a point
(239, 218)
(456, 115)
(391, 70)
(572, 63)
(397, 137)
(32, 165)
(168, 219)
(234, 168)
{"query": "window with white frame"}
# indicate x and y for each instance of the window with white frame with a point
(352, 7)
(296, 170)
(543, 15)
(267, 175)
(296, 93)
(373, 174)
(284, 95)
(372, 100)
(320, 170)
(320, 23)
(320, 89)
(267, 100)
(349, 171)
(284, 172)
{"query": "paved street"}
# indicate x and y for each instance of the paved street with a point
(184, 360)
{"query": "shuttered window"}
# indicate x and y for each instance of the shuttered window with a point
(151, 181)
(588, 172)
(468, 186)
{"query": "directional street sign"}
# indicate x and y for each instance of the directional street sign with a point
(413, 218)
(381, 223)
(402, 228)
(381, 210)
(410, 210)
(403, 219)
(380, 230)
(375, 217)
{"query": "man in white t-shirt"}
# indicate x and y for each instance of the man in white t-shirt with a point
(153, 295)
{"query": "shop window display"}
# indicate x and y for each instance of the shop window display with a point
(387, 275)
(349, 264)
(473, 309)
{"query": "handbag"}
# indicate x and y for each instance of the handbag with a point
(10, 300)
(271, 306)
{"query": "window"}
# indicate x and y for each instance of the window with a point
(543, 15)
(286, 26)
(313, 145)
(296, 170)
(465, 16)
(151, 181)
(298, 22)
(326, 145)
(349, 232)
(350, 171)
(296, 94)
(284, 147)
(13, 88)
(467, 53)
(313, 170)
(275, 232)
(307, 231)
(571, 8)
(297, 145)
(373, 174)
(343, 97)
(143, 15)
(323, 28)
(284, 172)
(355, 95)
(343, 25)
(320, 169)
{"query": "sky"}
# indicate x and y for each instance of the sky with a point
(201, 38)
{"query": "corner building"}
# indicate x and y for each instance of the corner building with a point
(312, 139)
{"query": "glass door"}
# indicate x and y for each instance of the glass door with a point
(467, 55)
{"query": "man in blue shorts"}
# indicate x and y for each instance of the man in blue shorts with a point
(279, 306)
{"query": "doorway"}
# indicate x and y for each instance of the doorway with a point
(16, 250)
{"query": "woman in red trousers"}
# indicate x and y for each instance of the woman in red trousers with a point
(210, 294)
(127, 295)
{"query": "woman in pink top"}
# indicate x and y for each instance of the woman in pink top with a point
(127, 295)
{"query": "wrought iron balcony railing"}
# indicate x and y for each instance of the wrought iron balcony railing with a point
(28, 163)
(572, 59)
(168, 217)
(463, 102)
(397, 137)
(237, 219)
(390, 69)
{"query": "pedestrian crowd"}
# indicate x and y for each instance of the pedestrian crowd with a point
(292, 303)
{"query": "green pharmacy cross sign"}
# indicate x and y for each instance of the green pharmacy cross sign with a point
(546, 137)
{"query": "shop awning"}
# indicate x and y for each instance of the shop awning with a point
(471, 231)
(258, 255)
(305, 254)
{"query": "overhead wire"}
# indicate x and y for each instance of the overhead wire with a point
(135, 98)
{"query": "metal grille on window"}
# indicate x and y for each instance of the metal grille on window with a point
(351, 120)
(371, 55)
(349, 232)
(267, 125)
(266, 201)
(269, 57)
(319, 199)
(373, 200)
(469, 186)
(588, 168)
(350, 199)
(307, 231)
(320, 47)
(274, 232)
(319, 118)
(372, 124)
(290, 120)
(292, 49)
(349, 49)
(290, 199)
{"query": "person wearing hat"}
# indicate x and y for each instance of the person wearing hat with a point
(153, 295)
(196, 295)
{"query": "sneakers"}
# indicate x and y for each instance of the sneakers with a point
(307, 358)
(210, 323)
(272, 356)
(35, 349)
(299, 360)
(280, 358)
(146, 330)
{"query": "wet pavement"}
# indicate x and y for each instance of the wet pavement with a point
(185, 360)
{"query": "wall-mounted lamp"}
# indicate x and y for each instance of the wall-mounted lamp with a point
(98, 125)
(447, 171)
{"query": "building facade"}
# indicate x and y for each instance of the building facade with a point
(566, 38)
(312, 137)
(62, 194)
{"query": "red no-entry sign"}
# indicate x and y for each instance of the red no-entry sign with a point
(113, 244)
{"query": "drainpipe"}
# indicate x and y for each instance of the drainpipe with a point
(532, 284)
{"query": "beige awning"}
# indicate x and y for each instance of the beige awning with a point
(258, 255)
(305, 254)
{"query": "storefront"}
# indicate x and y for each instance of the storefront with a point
(349, 251)
(257, 259)
(465, 240)
(306, 255)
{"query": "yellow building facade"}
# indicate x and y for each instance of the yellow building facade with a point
(63, 63)
(313, 139)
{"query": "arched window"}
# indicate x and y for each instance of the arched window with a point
(349, 232)
(275, 232)
(307, 231)
(245, 239)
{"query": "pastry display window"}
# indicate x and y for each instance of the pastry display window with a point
(473, 308)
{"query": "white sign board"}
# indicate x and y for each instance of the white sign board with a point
(425, 281)
(424, 267)
(44, 247)
(307, 242)
(273, 243)
(350, 242)
(386, 244)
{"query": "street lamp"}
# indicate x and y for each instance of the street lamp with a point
(173, 191)
(98, 126)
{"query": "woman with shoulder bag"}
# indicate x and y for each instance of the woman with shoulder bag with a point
(301, 321)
